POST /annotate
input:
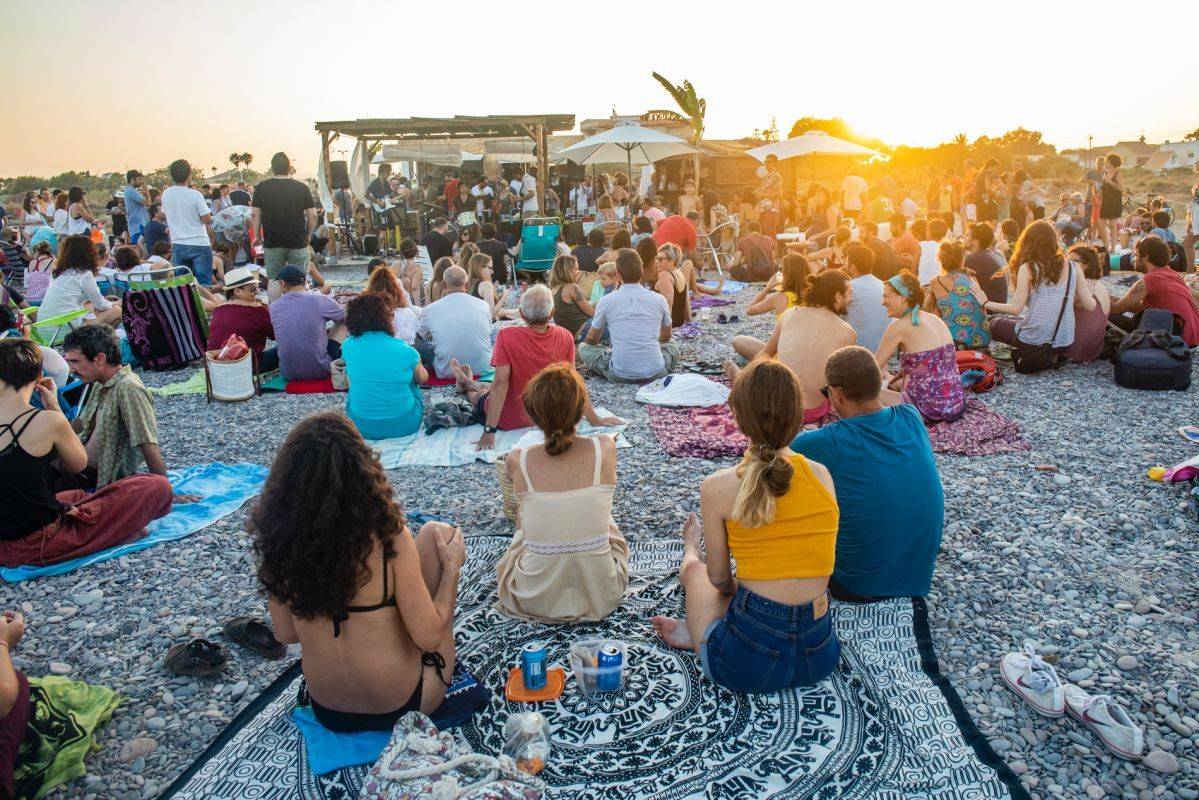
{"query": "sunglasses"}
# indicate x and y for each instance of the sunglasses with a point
(824, 391)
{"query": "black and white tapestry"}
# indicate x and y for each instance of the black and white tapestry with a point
(886, 725)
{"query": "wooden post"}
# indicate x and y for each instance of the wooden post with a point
(366, 180)
(543, 166)
(328, 177)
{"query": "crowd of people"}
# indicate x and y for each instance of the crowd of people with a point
(836, 439)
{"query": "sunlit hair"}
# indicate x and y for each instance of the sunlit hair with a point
(476, 269)
(622, 238)
(673, 252)
(796, 270)
(465, 252)
(1038, 247)
(554, 400)
(562, 272)
(326, 505)
(842, 235)
(383, 283)
(75, 253)
(767, 403)
(605, 202)
(823, 288)
(61, 201)
(951, 256)
(1088, 258)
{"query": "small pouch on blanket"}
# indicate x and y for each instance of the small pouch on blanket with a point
(419, 762)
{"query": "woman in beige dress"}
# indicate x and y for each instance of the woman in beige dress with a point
(568, 561)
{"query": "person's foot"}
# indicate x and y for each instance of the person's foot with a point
(674, 632)
(731, 370)
(464, 379)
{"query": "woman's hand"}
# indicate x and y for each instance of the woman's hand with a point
(452, 550)
(12, 628)
(48, 394)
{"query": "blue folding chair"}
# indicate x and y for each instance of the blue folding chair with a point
(538, 244)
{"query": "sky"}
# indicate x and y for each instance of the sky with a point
(111, 85)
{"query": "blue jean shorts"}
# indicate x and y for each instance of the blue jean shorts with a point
(764, 646)
(197, 257)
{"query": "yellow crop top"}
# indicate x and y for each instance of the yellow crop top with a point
(801, 542)
(792, 302)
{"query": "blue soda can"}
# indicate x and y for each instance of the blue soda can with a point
(609, 659)
(532, 665)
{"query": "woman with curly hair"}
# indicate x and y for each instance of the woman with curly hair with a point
(928, 368)
(371, 606)
(768, 627)
(73, 285)
(1047, 289)
(568, 561)
(384, 372)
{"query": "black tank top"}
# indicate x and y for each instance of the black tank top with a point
(29, 502)
(678, 307)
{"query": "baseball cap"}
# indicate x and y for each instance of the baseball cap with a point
(291, 274)
(240, 277)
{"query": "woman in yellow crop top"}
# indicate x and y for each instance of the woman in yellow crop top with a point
(784, 290)
(770, 627)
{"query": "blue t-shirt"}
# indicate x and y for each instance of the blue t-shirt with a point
(891, 500)
(1165, 234)
(152, 234)
(384, 400)
(136, 212)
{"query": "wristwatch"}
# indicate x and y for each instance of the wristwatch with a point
(490, 429)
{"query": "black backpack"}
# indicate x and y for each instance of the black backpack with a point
(1154, 357)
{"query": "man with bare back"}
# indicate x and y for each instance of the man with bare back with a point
(805, 336)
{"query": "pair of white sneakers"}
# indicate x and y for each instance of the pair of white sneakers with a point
(1037, 683)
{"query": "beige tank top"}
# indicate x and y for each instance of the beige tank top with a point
(570, 521)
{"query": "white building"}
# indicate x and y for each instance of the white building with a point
(1187, 153)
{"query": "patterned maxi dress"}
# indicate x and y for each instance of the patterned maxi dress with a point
(933, 384)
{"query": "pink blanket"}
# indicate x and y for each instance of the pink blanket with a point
(978, 432)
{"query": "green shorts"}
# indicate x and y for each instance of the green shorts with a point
(276, 258)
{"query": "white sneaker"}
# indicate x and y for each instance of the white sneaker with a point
(1107, 720)
(1036, 682)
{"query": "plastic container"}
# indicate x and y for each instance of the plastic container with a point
(527, 741)
(583, 657)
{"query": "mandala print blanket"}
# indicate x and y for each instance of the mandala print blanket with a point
(885, 726)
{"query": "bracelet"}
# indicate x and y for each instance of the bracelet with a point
(6, 647)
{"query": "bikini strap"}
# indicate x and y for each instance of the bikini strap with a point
(599, 460)
(524, 470)
(387, 598)
(31, 414)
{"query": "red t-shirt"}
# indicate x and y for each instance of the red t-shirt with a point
(906, 243)
(252, 323)
(1165, 288)
(526, 352)
(676, 230)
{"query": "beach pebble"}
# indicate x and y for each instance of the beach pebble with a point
(59, 668)
(137, 748)
(1061, 479)
(1161, 761)
(155, 723)
(1126, 663)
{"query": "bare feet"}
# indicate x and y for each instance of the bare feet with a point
(464, 379)
(673, 631)
(731, 370)
(693, 536)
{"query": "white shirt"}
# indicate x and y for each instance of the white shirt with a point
(406, 322)
(479, 195)
(853, 187)
(528, 184)
(634, 317)
(909, 208)
(866, 314)
(61, 221)
(185, 209)
(582, 198)
(929, 266)
(460, 327)
(68, 292)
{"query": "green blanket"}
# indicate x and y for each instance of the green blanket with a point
(193, 385)
(65, 717)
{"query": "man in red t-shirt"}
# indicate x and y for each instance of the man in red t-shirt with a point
(676, 230)
(904, 245)
(1161, 287)
(519, 354)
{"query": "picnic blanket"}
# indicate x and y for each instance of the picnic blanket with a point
(223, 487)
(706, 432)
(688, 330)
(65, 716)
(453, 447)
(708, 301)
(730, 287)
(885, 726)
(978, 432)
(193, 385)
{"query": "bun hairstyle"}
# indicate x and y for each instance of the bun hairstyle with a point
(767, 404)
(915, 295)
(823, 287)
(952, 256)
(554, 399)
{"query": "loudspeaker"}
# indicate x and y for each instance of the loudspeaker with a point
(370, 244)
(339, 175)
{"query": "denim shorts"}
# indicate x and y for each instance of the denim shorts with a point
(764, 646)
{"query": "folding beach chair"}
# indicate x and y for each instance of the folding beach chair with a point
(51, 331)
(164, 317)
(538, 244)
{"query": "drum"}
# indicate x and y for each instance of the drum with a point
(467, 219)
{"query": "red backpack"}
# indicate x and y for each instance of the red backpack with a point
(975, 362)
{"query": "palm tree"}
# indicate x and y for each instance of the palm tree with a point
(246, 158)
(961, 141)
(694, 108)
(237, 160)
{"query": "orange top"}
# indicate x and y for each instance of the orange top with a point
(801, 542)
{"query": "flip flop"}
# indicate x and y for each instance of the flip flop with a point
(254, 635)
(722, 319)
(197, 658)
(1190, 433)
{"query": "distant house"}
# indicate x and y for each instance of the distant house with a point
(1132, 154)
(1187, 152)
(1161, 161)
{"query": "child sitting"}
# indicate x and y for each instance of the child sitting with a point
(609, 281)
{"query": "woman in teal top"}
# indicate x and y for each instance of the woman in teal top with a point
(385, 373)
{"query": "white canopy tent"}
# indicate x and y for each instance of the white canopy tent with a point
(629, 142)
(812, 143)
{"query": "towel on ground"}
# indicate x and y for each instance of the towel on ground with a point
(223, 489)
(453, 447)
(730, 287)
(683, 390)
(978, 432)
(697, 432)
(707, 301)
(329, 750)
(688, 330)
(65, 717)
(193, 385)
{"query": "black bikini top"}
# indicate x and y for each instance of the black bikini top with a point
(389, 599)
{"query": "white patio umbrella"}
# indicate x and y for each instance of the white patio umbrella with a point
(811, 143)
(627, 139)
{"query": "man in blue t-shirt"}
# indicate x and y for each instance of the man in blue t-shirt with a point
(888, 488)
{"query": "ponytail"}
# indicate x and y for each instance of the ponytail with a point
(558, 442)
(765, 477)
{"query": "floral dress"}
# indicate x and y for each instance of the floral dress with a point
(933, 384)
(966, 319)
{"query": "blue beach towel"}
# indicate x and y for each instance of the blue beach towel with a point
(224, 487)
(730, 287)
(328, 750)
